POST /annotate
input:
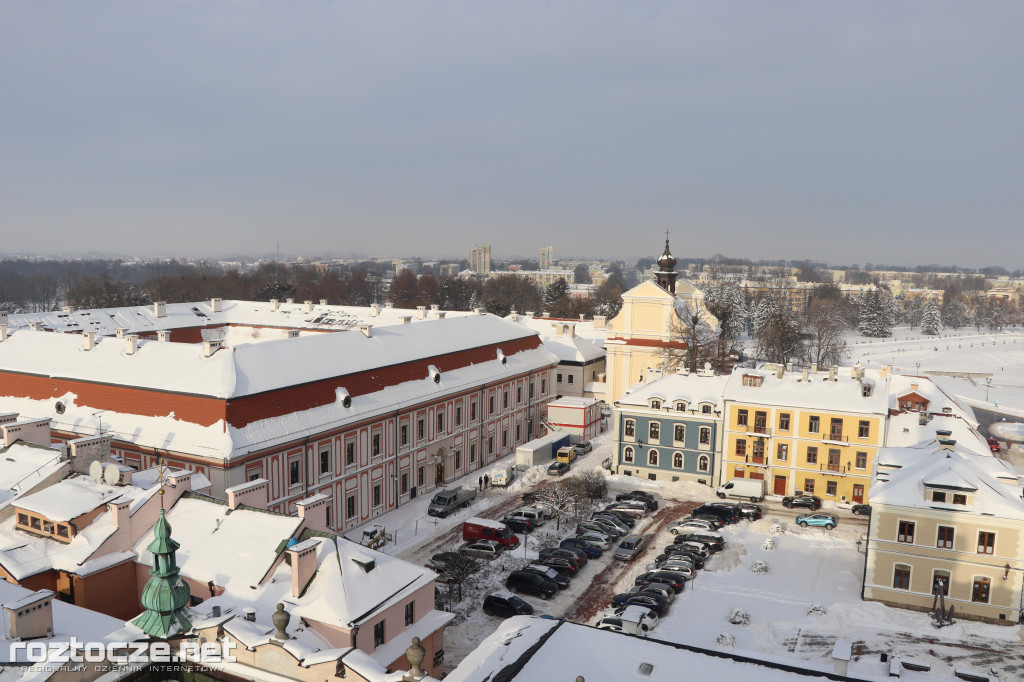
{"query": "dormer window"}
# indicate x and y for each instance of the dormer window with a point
(706, 408)
(680, 406)
(752, 379)
(655, 404)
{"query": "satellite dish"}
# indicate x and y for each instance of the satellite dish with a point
(59, 407)
(111, 474)
(96, 471)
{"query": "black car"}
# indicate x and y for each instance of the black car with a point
(714, 542)
(518, 524)
(532, 496)
(655, 602)
(811, 502)
(563, 565)
(698, 548)
(677, 551)
(506, 605)
(529, 582)
(677, 581)
(862, 509)
(565, 553)
(639, 496)
(621, 516)
(750, 511)
(729, 513)
(549, 573)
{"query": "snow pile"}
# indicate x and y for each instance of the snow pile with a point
(725, 640)
(739, 617)
(816, 610)
(759, 567)
(776, 529)
(768, 545)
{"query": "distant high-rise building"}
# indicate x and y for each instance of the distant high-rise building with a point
(547, 257)
(480, 259)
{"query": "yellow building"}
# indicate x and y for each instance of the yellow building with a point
(804, 431)
(946, 520)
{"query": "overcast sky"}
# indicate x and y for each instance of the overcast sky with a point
(848, 132)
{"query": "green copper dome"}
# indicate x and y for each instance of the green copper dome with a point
(165, 595)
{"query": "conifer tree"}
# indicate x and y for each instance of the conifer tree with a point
(931, 319)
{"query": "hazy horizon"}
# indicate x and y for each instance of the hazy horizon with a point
(841, 133)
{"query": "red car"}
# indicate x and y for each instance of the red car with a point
(993, 444)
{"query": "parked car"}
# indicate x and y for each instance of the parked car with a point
(597, 527)
(619, 611)
(699, 548)
(537, 512)
(750, 511)
(675, 580)
(488, 529)
(528, 582)
(993, 444)
(597, 539)
(549, 573)
(726, 511)
(635, 620)
(676, 552)
(566, 553)
(575, 543)
(826, 521)
(482, 549)
(635, 510)
(676, 563)
(716, 521)
(659, 589)
(650, 600)
(583, 447)
(445, 502)
(622, 522)
(518, 524)
(638, 496)
(630, 547)
(862, 509)
(811, 502)
(558, 469)
(506, 605)
(689, 526)
(563, 565)
(714, 541)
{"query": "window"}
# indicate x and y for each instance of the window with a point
(62, 531)
(472, 453)
(783, 452)
(519, 394)
(905, 532)
(831, 487)
(679, 433)
(784, 421)
(350, 507)
(325, 461)
(986, 542)
(705, 435)
(835, 430)
(491, 403)
(558, 378)
(419, 429)
(490, 444)
(531, 390)
(376, 496)
(680, 407)
(655, 404)
(472, 411)
(376, 444)
(901, 577)
(654, 430)
(814, 424)
(543, 385)
(833, 460)
(630, 428)
(959, 498)
(980, 590)
(808, 485)
(253, 474)
(294, 473)
(652, 458)
(570, 378)
(758, 449)
(409, 611)
(864, 429)
(504, 439)
(861, 460)
(519, 432)
(48, 527)
(458, 415)
(704, 463)
(504, 400)
(705, 408)
(419, 476)
(760, 422)
(812, 455)
(627, 455)
(741, 418)
(350, 453)
(938, 496)
(327, 516)
(945, 538)
(378, 635)
(403, 434)
(940, 582)
(677, 460)
(405, 482)
(458, 459)
(35, 523)
(741, 448)
(440, 422)
(23, 519)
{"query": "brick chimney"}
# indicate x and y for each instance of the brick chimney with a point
(85, 451)
(120, 513)
(302, 558)
(251, 493)
(316, 511)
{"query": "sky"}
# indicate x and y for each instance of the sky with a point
(840, 132)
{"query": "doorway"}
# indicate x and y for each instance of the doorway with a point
(780, 485)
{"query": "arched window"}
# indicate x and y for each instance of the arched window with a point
(627, 455)
(652, 458)
(677, 460)
(630, 428)
(703, 463)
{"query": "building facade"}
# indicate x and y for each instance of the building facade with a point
(480, 259)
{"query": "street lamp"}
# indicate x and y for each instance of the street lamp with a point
(988, 385)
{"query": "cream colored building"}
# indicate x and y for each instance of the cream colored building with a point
(946, 518)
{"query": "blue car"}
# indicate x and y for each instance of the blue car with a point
(826, 521)
(590, 550)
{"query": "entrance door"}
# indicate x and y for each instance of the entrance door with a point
(439, 473)
(780, 485)
(858, 493)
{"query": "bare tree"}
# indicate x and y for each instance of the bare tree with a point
(697, 340)
(455, 569)
(825, 325)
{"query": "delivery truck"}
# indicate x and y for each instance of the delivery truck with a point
(540, 450)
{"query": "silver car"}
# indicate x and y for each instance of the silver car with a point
(599, 540)
(630, 547)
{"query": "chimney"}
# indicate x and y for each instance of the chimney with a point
(85, 451)
(559, 328)
(88, 340)
(3, 317)
(131, 344)
(3, 332)
(211, 347)
(374, 310)
(947, 444)
(571, 330)
(479, 311)
(215, 611)
(274, 305)
(803, 375)
(600, 321)
(316, 511)
(291, 333)
(943, 434)
(302, 558)
(440, 315)
(913, 387)
(388, 305)
(215, 304)
(251, 493)
(160, 308)
(814, 367)
(35, 326)
(529, 314)
(434, 307)
(120, 332)
(779, 372)
(163, 335)
(307, 306)
(30, 617)
(789, 366)
(35, 431)
(366, 330)
(68, 308)
(120, 513)
(831, 373)
(323, 301)
(289, 301)
(249, 614)
(421, 311)
(514, 317)
(583, 318)
(406, 319)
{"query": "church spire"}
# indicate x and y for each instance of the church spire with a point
(666, 274)
(165, 595)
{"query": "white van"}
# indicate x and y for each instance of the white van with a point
(503, 475)
(745, 488)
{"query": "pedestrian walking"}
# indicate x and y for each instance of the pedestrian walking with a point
(487, 481)
(480, 483)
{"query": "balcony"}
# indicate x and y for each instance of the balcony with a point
(759, 432)
(757, 459)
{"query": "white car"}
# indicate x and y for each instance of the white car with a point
(633, 612)
(690, 526)
(597, 539)
(677, 565)
(635, 620)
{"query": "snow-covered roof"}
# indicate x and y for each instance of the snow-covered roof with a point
(73, 497)
(902, 474)
(938, 399)
(24, 555)
(842, 395)
(692, 388)
(147, 478)
(547, 328)
(906, 429)
(24, 467)
(574, 401)
(573, 349)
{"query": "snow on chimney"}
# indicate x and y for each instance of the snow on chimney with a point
(3, 332)
(291, 333)
(131, 344)
(160, 308)
(316, 511)
(35, 326)
(120, 513)
(374, 310)
(215, 304)
(947, 444)
(406, 319)
(251, 493)
(307, 306)
(211, 347)
(366, 330)
(35, 431)
(421, 311)
(88, 340)
(302, 558)
(120, 332)
(163, 335)
(274, 304)
(600, 321)
(31, 617)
